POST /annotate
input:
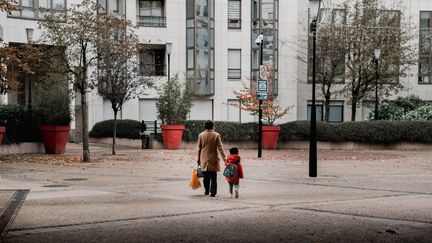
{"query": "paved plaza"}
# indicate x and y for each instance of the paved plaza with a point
(143, 196)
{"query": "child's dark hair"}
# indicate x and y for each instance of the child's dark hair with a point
(234, 150)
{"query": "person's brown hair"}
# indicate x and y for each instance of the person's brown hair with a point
(208, 125)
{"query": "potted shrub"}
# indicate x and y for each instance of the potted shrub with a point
(173, 106)
(271, 111)
(53, 109)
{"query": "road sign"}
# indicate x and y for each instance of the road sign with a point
(263, 72)
(262, 90)
(261, 96)
(262, 86)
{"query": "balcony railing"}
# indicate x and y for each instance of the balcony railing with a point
(152, 70)
(151, 21)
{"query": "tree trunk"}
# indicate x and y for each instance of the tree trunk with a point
(115, 132)
(353, 110)
(84, 107)
(326, 109)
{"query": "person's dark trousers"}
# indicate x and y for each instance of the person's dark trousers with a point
(210, 182)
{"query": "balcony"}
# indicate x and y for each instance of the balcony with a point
(151, 21)
(152, 70)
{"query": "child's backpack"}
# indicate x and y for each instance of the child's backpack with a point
(230, 171)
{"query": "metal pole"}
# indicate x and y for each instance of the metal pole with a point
(376, 89)
(312, 138)
(29, 105)
(260, 125)
(169, 66)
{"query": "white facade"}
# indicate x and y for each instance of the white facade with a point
(293, 89)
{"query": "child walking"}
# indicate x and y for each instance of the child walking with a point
(233, 171)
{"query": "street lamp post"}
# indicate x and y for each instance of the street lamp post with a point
(29, 33)
(168, 47)
(377, 59)
(314, 12)
(259, 41)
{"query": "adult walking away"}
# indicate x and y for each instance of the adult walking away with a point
(209, 148)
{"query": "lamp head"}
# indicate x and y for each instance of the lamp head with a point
(29, 33)
(377, 54)
(314, 9)
(168, 47)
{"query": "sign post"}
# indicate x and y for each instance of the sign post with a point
(262, 93)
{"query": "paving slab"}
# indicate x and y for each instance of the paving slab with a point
(143, 196)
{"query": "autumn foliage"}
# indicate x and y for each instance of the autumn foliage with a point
(271, 107)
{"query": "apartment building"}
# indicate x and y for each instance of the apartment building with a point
(213, 43)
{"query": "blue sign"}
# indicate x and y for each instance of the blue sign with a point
(262, 86)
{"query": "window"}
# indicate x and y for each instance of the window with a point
(335, 114)
(265, 20)
(108, 112)
(115, 7)
(425, 48)
(201, 109)
(319, 111)
(367, 109)
(234, 112)
(147, 110)
(234, 63)
(152, 60)
(234, 14)
(200, 45)
(34, 9)
(151, 13)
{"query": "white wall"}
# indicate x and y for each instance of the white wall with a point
(292, 61)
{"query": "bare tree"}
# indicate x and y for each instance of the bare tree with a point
(370, 26)
(16, 62)
(7, 6)
(330, 51)
(77, 33)
(118, 79)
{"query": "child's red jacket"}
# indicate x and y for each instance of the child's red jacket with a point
(235, 159)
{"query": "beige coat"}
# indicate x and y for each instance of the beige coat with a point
(209, 144)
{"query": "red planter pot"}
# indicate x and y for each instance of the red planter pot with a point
(172, 136)
(2, 132)
(54, 138)
(270, 135)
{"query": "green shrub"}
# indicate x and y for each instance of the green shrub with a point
(174, 101)
(230, 131)
(125, 129)
(21, 125)
(366, 132)
(53, 102)
(402, 108)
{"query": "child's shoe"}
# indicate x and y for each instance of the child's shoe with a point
(236, 193)
(231, 195)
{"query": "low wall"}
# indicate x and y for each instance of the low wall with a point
(154, 144)
(22, 148)
(133, 143)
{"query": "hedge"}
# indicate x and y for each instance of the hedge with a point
(125, 129)
(21, 125)
(230, 131)
(365, 131)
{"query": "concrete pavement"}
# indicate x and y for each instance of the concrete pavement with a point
(143, 196)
